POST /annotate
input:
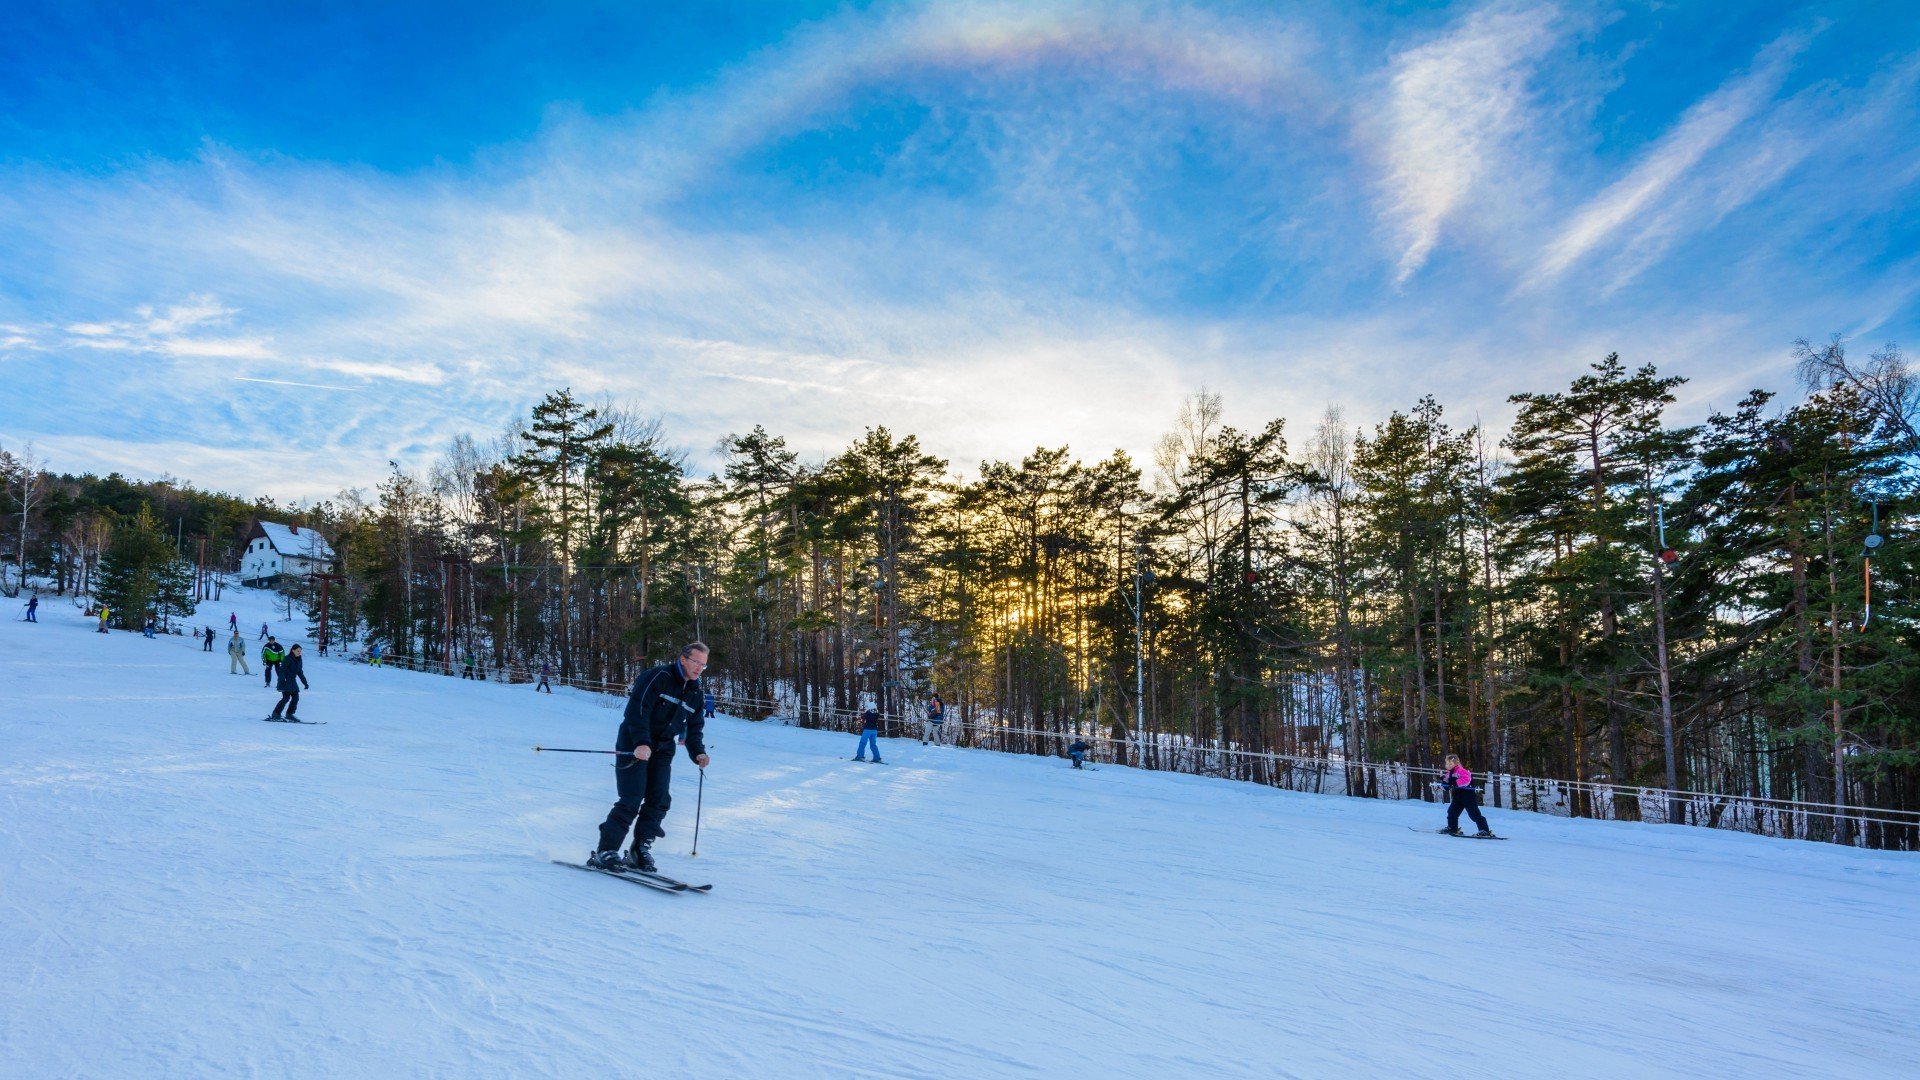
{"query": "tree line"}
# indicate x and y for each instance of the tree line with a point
(1602, 594)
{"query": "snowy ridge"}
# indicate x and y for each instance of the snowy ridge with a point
(187, 891)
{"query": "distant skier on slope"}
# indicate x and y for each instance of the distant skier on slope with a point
(546, 672)
(237, 655)
(1461, 797)
(292, 680)
(1078, 751)
(664, 704)
(936, 716)
(33, 608)
(869, 736)
(206, 640)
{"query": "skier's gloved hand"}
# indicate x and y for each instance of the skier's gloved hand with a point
(642, 752)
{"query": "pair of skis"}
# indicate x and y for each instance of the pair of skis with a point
(1463, 835)
(640, 877)
(289, 720)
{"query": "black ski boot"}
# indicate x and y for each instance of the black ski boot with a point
(1453, 832)
(607, 860)
(640, 858)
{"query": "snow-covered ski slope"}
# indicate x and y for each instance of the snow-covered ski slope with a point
(186, 891)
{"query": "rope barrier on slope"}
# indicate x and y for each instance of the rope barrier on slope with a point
(1174, 753)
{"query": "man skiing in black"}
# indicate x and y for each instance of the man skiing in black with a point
(292, 679)
(664, 704)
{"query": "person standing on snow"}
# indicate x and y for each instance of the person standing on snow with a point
(271, 654)
(1078, 751)
(663, 705)
(33, 608)
(466, 667)
(237, 655)
(1461, 796)
(869, 736)
(103, 620)
(706, 703)
(233, 621)
(263, 633)
(546, 670)
(206, 640)
(936, 716)
(292, 679)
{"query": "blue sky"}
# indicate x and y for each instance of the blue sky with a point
(271, 251)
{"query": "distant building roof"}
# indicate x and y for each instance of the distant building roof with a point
(294, 540)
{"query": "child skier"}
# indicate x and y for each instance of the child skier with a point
(869, 736)
(1461, 796)
(270, 656)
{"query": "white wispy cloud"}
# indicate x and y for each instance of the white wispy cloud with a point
(290, 382)
(1704, 128)
(1455, 110)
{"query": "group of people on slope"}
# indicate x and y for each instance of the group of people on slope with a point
(282, 668)
(932, 728)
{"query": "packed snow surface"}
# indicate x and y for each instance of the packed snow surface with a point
(187, 891)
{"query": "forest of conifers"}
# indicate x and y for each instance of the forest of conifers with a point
(1390, 591)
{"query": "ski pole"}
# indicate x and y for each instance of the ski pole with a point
(565, 750)
(699, 796)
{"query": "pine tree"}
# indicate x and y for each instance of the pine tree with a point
(142, 576)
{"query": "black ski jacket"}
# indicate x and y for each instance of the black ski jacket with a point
(662, 705)
(291, 677)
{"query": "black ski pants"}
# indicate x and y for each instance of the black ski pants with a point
(273, 668)
(645, 793)
(289, 700)
(1465, 799)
